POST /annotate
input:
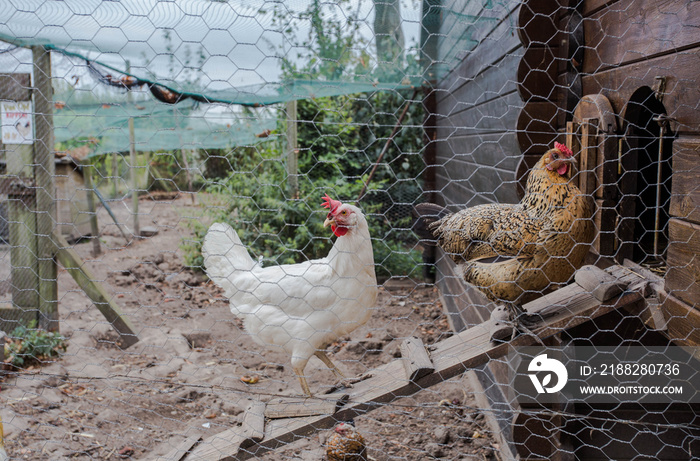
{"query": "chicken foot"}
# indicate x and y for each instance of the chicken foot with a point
(327, 361)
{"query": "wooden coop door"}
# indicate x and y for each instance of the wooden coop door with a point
(645, 179)
(592, 136)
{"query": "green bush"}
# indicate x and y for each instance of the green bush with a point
(27, 345)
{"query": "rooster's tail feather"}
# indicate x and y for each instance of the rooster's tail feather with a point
(224, 254)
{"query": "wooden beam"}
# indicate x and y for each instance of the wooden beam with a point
(44, 172)
(77, 268)
(292, 150)
(94, 228)
(451, 357)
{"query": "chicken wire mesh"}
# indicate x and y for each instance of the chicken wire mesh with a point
(349, 230)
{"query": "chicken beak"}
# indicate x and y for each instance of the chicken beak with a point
(328, 222)
(573, 164)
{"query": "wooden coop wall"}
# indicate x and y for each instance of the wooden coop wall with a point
(72, 211)
(508, 98)
(505, 101)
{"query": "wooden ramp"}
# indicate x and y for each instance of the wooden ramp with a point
(266, 427)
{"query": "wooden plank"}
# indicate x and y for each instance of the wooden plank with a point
(290, 407)
(494, 45)
(683, 276)
(680, 70)
(604, 220)
(653, 316)
(500, 411)
(537, 127)
(476, 187)
(497, 115)
(587, 156)
(465, 25)
(499, 150)
(598, 283)
(633, 31)
(685, 195)
(254, 422)
(493, 82)
(416, 359)
(181, 450)
(105, 303)
(537, 74)
(682, 320)
(482, 179)
(591, 6)
(469, 349)
(537, 22)
(44, 172)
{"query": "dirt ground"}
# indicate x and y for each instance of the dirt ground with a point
(183, 377)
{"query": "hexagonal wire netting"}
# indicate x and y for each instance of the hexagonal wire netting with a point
(356, 229)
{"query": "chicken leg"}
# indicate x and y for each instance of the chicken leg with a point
(299, 371)
(325, 359)
(304, 385)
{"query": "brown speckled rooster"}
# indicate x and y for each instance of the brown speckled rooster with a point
(346, 444)
(514, 252)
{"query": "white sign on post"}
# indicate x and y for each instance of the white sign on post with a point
(17, 122)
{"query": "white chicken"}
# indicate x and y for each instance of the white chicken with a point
(300, 308)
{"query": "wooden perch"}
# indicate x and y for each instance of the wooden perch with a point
(599, 283)
(289, 407)
(451, 357)
(76, 267)
(416, 360)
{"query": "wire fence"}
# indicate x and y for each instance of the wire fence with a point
(379, 230)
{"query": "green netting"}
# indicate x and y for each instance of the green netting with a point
(158, 126)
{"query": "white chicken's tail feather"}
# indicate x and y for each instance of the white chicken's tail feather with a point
(224, 255)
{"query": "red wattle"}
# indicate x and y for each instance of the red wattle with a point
(339, 231)
(562, 169)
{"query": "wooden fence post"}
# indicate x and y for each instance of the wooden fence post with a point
(90, 189)
(292, 150)
(44, 172)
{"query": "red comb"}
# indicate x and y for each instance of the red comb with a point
(563, 149)
(330, 203)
